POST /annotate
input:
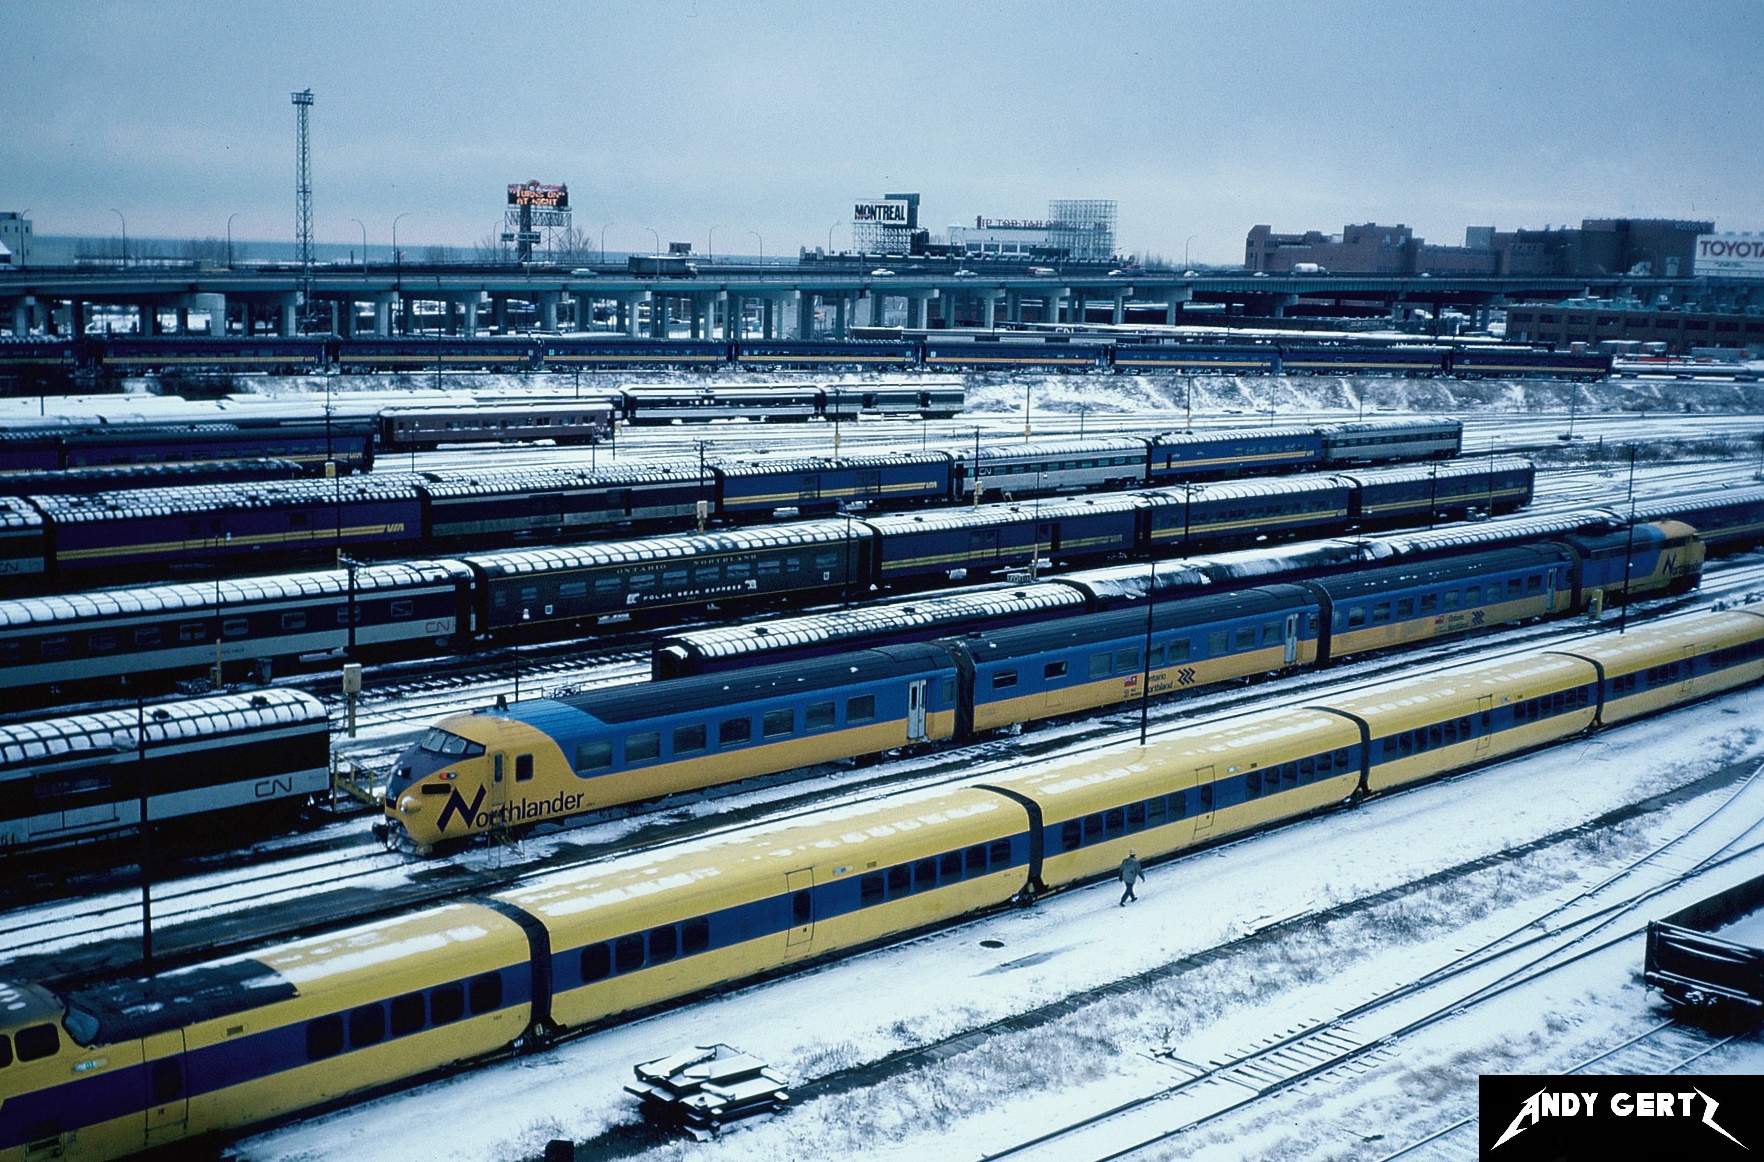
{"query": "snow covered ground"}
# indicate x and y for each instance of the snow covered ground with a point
(1299, 938)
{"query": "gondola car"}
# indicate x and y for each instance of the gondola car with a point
(776, 353)
(268, 355)
(367, 353)
(119, 1064)
(1196, 358)
(570, 351)
(65, 778)
(134, 633)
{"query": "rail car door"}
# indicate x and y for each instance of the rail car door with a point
(1289, 637)
(1484, 722)
(809, 487)
(168, 1098)
(916, 710)
(499, 776)
(1203, 789)
(801, 901)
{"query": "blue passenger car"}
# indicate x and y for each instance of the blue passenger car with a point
(756, 490)
(549, 503)
(1362, 360)
(1197, 358)
(976, 542)
(557, 351)
(775, 353)
(1178, 456)
(1058, 356)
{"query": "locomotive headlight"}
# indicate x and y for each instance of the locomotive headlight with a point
(409, 805)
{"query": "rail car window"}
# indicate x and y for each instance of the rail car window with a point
(167, 1080)
(820, 716)
(1356, 617)
(407, 1014)
(347, 614)
(638, 582)
(664, 944)
(1430, 603)
(1053, 670)
(593, 756)
(707, 574)
(1093, 828)
(1071, 834)
(733, 730)
(777, 723)
(1381, 613)
(147, 635)
(689, 740)
(793, 564)
(1452, 599)
(738, 570)
(1405, 608)
(870, 890)
(596, 962)
(1178, 652)
(324, 1038)
(802, 909)
(294, 621)
(367, 1026)
(924, 875)
(974, 860)
(35, 1042)
(1127, 660)
(529, 593)
(826, 562)
(1099, 665)
(5, 1051)
(1245, 638)
(1473, 596)
(950, 866)
(523, 768)
(1515, 587)
(949, 691)
(1218, 643)
(695, 936)
(446, 1004)
(628, 953)
(53, 647)
(641, 748)
(1252, 785)
(674, 578)
(900, 881)
(575, 588)
(1206, 797)
(1004, 679)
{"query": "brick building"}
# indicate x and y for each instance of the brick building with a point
(1659, 247)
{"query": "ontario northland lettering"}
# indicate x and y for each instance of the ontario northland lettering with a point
(1646, 1104)
(519, 811)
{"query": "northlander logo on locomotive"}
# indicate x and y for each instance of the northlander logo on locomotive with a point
(516, 812)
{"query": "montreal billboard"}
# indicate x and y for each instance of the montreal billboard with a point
(1731, 255)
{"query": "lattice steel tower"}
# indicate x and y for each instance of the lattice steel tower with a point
(303, 198)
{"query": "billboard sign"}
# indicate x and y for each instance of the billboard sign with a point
(1730, 255)
(539, 196)
(889, 213)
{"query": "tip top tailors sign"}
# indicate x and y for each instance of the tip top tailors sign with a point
(882, 213)
(1733, 255)
(539, 196)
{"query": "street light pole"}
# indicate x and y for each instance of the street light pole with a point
(230, 218)
(762, 245)
(1191, 238)
(603, 244)
(710, 244)
(1629, 545)
(657, 235)
(125, 234)
(398, 274)
(363, 226)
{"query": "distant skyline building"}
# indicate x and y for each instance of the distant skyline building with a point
(1661, 247)
(15, 236)
(1079, 230)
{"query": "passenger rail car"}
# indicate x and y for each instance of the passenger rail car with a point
(234, 754)
(411, 429)
(693, 732)
(212, 1048)
(131, 477)
(982, 350)
(348, 444)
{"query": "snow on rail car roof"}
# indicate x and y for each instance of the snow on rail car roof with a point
(103, 506)
(1364, 427)
(15, 513)
(1439, 470)
(1177, 439)
(757, 637)
(825, 463)
(1486, 534)
(1253, 489)
(1043, 448)
(1010, 513)
(24, 744)
(460, 483)
(233, 593)
(1698, 501)
(686, 545)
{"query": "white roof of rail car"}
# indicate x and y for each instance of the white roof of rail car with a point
(1016, 511)
(1042, 449)
(734, 640)
(234, 593)
(23, 743)
(16, 513)
(461, 483)
(680, 547)
(99, 506)
(827, 463)
(1173, 439)
(1441, 470)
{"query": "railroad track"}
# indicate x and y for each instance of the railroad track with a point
(1212, 1086)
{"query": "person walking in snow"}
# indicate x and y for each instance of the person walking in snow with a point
(1131, 873)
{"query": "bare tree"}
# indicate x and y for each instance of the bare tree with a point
(570, 246)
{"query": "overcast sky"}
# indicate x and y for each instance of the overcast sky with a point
(1200, 119)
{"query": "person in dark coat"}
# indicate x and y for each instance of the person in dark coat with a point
(1131, 873)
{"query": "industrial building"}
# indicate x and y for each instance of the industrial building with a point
(1658, 247)
(15, 239)
(1615, 326)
